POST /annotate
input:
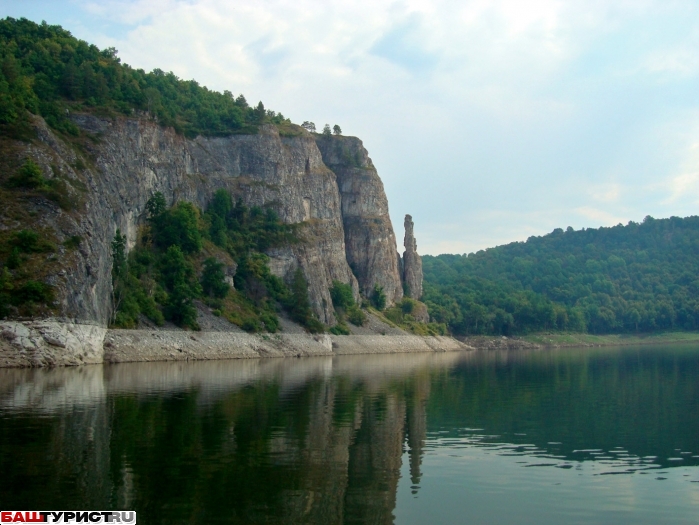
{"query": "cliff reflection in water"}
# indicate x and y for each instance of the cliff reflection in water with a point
(322, 440)
(284, 441)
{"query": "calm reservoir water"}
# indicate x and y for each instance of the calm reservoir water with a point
(560, 436)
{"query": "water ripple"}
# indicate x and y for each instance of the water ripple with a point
(615, 461)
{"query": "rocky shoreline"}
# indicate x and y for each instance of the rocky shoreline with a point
(51, 343)
(54, 343)
(123, 346)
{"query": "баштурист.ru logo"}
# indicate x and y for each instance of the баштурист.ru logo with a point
(68, 516)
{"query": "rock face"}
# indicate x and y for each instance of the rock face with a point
(48, 343)
(370, 242)
(412, 263)
(346, 231)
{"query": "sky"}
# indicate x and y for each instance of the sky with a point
(489, 121)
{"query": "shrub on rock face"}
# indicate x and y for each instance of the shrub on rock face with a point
(28, 241)
(179, 308)
(178, 277)
(270, 320)
(299, 305)
(342, 295)
(378, 297)
(28, 176)
(356, 316)
(251, 325)
(178, 226)
(73, 242)
(408, 305)
(14, 260)
(34, 292)
(394, 315)
(156, 206)
(339, 329)
(345, 307)
(5, 288)
(213, 280)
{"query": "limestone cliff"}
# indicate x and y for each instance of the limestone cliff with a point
(370, 242)
(412, 263)
(341, 202)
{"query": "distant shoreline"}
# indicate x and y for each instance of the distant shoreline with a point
(572, 340)
(50, 343)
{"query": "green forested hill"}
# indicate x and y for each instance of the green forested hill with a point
(45, 70)
(638, 277)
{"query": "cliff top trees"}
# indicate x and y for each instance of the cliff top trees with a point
(45, 70)
(309, 126)
(327, 131)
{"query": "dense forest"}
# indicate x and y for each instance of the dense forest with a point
(183, 255)
(46, 71)
(634, 278)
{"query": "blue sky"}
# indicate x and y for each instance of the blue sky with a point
(489, 121)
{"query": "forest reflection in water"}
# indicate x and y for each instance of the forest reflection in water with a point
(362, 439)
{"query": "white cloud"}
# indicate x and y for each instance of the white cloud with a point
(517, 117)
(130, 12)
(606, 192)
(682, 61)
(601, 217)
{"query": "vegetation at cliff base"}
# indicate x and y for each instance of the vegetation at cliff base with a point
(185, 255)
(346, 309)
(402, 316)
(378, 297)
(46, 71)
(26, 256)
(624, 279)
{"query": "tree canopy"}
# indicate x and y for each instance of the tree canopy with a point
(638, 277)
(46, 71)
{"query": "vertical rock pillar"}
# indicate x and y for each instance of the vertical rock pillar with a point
(412, 263)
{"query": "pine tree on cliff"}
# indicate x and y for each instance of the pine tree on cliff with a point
(300, 306)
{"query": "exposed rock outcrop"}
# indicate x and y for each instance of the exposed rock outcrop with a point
(123, 346)
(412, 263)
(420, 313)
(49, 343)
(370, 241)
(129, 160)
(137, 158)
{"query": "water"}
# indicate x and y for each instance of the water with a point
(561, 436)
